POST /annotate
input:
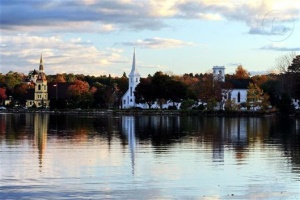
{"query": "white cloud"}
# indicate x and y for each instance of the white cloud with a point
(159, 43)
(21, 54)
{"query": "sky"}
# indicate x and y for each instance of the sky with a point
(98, 37)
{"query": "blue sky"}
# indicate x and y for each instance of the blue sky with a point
(97, 37)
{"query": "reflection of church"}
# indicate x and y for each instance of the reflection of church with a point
(40, 134)
(128, 128)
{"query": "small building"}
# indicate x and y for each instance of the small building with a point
(128, 99)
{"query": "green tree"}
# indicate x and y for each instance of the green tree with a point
(12, 79)
(145, 92)
(285, 105)
(295, 66)
(104, 96)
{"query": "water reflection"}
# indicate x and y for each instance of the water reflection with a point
(40, 124)
(128, 128)
(170, 157)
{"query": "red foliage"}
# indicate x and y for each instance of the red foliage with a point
(78, 88)
(3, 95)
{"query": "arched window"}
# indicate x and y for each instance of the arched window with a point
(39, 87)
(239, 97)
(130, 91)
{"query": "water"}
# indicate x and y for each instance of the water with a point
(46, 156)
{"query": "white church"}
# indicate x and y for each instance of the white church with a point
(128, 99)
(239, 89)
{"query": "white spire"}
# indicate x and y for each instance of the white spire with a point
(134, 71)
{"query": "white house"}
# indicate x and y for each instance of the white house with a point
(128, 99)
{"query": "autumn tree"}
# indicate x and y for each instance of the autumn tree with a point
(20, 92)
(209, 91)
(3, 95)
(60, 78)
(79, 94)
(241, 73)
(256, 97)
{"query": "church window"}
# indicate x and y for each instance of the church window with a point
(39, 87)
(130, 100)
(130, 91)
(124, 101)
(239, 97)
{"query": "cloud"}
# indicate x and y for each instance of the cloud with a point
(21, 54)
(278, 47)
(262, 17)
(158, 43)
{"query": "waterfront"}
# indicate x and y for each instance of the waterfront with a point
(48, 156)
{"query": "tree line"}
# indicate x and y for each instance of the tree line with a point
(103, 91)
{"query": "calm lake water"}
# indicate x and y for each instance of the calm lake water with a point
(45, 156)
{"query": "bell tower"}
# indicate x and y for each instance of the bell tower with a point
(219, 73)
(41, 88)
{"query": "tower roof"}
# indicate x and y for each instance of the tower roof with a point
(41, 75)
(41, 68)
(134, 71)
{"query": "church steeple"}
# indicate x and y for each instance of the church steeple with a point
(134, 71)
(41, 64)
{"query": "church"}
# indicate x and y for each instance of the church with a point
(39, 96)
(238, 90)
(128, 99)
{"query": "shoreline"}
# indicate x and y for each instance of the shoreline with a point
(245, 113)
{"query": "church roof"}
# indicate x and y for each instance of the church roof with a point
(239, 83)
(134, 71)
(35, 72)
